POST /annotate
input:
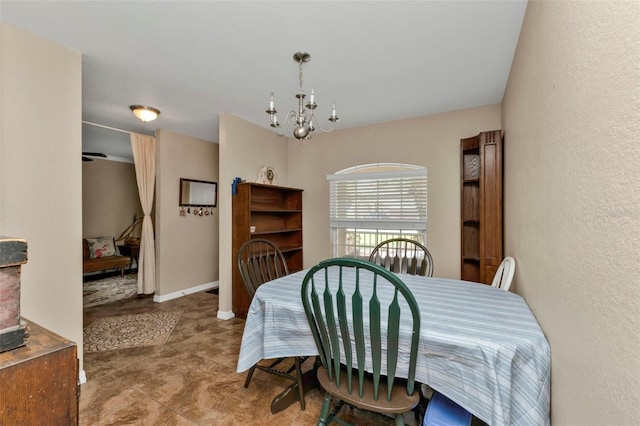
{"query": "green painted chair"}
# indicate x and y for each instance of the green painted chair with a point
(369, 312)
(403, 255)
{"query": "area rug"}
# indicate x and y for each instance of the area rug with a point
(105, 290)
(130, 331)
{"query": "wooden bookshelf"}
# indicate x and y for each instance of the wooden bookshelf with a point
(274, 213)
(481, 206)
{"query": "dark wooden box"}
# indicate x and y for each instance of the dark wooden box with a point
(13, 254)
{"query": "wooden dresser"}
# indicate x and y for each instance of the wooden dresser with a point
(39, 381)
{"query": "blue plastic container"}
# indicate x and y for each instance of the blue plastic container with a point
(442, 411)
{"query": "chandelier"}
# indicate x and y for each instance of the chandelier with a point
(304, 120)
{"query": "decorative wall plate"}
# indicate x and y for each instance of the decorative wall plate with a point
(267, 175)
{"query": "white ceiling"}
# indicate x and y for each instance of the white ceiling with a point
(378, 60)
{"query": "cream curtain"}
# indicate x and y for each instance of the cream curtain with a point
(144, 157)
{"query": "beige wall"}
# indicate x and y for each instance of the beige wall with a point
(571, 117)
(432, 142)
(40, 175)
(186, 246)
(244, 148)
(110, 198)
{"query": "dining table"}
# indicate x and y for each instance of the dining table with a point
(480, 346)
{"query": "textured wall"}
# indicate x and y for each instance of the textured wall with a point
(186, 246)
(571, 116)
(110, 198)
(244, 148)
(40, 175)
(431, 141)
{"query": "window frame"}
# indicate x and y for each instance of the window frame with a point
(407, 223)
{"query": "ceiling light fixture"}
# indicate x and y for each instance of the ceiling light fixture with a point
(145, 113)
(304, 120)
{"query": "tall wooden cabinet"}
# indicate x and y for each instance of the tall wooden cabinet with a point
(270, 212)
(481, 206)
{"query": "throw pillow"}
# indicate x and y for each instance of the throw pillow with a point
(101, 247)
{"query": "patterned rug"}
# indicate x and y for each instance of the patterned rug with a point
(129, 331)
(105, 290)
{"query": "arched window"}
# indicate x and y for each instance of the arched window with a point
(374, 202)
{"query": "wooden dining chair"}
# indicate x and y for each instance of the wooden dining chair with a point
(351, 325)
(403, 255)
(259, 261)
(504, 275)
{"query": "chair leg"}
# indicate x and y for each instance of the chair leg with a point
(324, 412)
(300, 383)
(336, 410)
(249, 376)
(420, 409)
(399, 420)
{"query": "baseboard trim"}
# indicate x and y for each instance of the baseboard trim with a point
(82, 377)
(225, 315)
(185, 292)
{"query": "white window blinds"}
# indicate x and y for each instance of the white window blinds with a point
(379, 200)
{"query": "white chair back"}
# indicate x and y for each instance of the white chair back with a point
(504, 274)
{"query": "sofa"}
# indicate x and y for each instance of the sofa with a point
(103, 258)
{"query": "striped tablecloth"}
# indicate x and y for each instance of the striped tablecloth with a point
(480, 346)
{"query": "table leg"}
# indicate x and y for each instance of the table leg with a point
(290, 395)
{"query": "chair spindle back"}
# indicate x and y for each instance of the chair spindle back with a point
(259, 261)
(504, 275)
(403, 255)
(338, 314)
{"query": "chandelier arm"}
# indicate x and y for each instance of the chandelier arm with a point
(278, 133)
(319, 126)
(289, 120)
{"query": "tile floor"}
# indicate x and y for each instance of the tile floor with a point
(189, 380)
